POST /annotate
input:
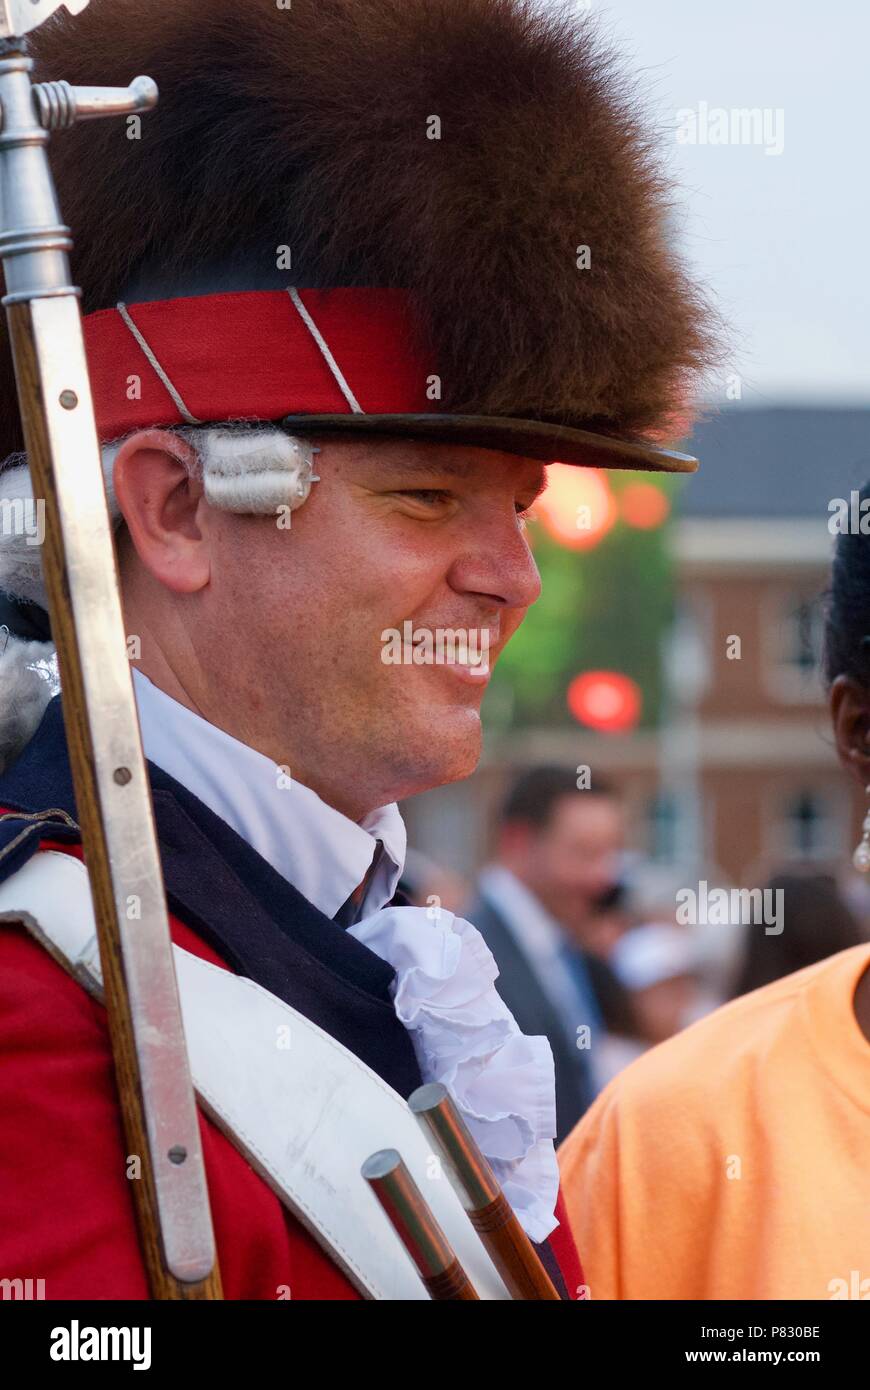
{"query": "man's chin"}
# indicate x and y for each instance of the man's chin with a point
(446, 749)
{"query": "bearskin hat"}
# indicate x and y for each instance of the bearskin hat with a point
(487, 158)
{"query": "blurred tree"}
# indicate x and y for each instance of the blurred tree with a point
(605, 607)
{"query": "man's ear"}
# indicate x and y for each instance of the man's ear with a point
(850, 715)
(163, 508)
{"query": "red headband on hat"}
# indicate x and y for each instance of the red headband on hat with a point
(251, 355)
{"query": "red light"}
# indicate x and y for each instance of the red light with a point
(578, 507)
(605, 700)
(644, 506)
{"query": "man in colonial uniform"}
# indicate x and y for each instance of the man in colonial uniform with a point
(367, 268)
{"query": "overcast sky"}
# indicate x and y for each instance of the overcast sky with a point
(783, 238)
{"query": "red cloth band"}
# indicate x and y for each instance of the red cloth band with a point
(251, 356)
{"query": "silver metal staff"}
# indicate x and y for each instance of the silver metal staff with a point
(112, 793)
(478, 1189)
(416, 1227)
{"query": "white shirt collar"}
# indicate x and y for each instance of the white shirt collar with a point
(324, 854)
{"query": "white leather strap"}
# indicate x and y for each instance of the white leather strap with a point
(303, 1110)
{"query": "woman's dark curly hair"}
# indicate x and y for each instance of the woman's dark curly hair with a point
(847, 619)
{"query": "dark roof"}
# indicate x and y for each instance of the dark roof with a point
(776, 462)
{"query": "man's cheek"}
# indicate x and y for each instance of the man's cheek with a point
(361, 637)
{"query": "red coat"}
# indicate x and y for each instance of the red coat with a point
(66, 1210)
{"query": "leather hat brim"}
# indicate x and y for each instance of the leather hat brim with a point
(527, 438)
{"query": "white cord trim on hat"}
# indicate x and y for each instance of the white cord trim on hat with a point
(177, 401)
(327, 355)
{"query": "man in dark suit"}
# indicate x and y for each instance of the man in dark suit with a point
(539, 907)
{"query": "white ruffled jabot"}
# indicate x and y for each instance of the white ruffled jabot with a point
(465, 1037)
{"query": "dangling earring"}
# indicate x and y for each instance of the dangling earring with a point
(861, 857)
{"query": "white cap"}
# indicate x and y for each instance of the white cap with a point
(649, 954)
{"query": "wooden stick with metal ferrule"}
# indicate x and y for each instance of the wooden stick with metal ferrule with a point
(488, 1209)
(109, 775)
(417, 1228)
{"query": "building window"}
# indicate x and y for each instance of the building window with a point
(811, 826)
(662, 826)
(675, 826)
(793, 641)
(687, 648)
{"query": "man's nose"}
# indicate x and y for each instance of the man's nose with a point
(498, 564)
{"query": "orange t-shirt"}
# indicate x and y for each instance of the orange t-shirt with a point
(733, 1160)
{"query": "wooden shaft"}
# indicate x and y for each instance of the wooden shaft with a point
(512, 1252)
(451, 1286)
(478, 1189)
(24, 327)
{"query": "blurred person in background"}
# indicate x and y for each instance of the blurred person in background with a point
(653, 896)
(817, 923)
(548, 908)
(655, 964)
(738, 1149)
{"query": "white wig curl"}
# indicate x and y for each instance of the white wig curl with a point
(245, 468)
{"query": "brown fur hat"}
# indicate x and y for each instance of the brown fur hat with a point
(310, 126)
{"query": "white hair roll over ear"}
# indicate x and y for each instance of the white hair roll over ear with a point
(256, 472)
(248, 469)
(245, 468)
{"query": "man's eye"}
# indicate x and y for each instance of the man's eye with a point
(428, 496)
(526, 512)
(435, 498)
